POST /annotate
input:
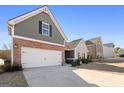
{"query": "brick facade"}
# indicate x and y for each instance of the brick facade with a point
(18, 43)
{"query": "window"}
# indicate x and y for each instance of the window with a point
(45, 29)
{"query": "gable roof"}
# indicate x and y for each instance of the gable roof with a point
(25, 16)
(96, 40)
(72, 44)
(109, 44)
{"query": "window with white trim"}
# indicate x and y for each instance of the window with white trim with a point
(45, 29)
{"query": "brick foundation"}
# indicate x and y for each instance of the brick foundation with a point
(18, 43)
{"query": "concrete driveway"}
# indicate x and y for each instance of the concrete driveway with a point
(106, 74)
(56, 76)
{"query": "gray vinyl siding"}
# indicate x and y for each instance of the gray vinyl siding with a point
(30, 28)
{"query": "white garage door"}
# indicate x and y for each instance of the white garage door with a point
(32, 57)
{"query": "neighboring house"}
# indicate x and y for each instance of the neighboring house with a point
(37, 39)
(95, 47)
(75, 49)
(108, 50)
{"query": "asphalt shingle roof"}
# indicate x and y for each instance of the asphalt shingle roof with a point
(72, 44)
(109, 44)
(93, 41)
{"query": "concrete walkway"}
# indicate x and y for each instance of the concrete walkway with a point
(57, 76)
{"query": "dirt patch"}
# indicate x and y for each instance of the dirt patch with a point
(13, 79)
(101, 78)
(117, 64)
(108, 67)
(102, 74)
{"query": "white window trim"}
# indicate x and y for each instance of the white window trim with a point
(46, 29)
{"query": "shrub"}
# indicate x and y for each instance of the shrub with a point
(77, 62)
(16, 68)
(82, 59)
(87, 59)
(7, 65)
(8, 68)
(73, 63)
(68, 61)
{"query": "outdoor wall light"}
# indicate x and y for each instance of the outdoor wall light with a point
(16, 45)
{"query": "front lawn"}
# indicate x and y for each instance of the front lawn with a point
(13, 79)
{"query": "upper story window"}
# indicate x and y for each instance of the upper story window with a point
(45, 28)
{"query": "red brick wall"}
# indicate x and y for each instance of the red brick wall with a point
(25, 43)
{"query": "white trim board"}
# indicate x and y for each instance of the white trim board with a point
(35, 12)
(70, 48)
(35, 40)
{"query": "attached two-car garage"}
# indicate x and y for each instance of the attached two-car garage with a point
(33, 57)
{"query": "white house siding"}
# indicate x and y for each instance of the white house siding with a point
(81, 49)
(108, 52)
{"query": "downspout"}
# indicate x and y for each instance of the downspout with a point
(63, 55)
(12, 34)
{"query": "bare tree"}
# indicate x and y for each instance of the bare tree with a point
(5, 47)
(9, 46)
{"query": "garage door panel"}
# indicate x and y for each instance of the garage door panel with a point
(51, 58)
(32, 57)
